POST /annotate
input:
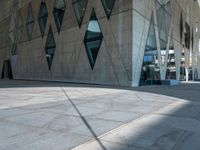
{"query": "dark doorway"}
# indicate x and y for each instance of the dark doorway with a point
(7, 70)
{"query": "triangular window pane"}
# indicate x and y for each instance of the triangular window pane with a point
(93, 39)
(150, 73)
(108, 7)
(171, 64)
(187, 35)
(43, 15)
(164, 21)
(181, 28)
(79, 9)
(50, 47)
(58, 12)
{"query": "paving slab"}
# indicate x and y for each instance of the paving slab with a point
(60, 116)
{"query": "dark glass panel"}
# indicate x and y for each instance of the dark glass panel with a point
(164, 21)
(42, 19)
(79, 9)
(58, 12)
(50, 48)
(150, 73)
(171, 63)
(93, 39)
(187, 35)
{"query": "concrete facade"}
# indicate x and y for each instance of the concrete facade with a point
(120, 57)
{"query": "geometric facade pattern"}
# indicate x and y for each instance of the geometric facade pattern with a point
(93, 39)
(30, 22)
(43, 15)
(79, 7)
(187, 35)
(15, 27)
(163, 11)
(108, 7)
(19, 28)
(58, 12)
(137, 47)
(181, 27)
(50, 47)
(171, 61)
(150, 73)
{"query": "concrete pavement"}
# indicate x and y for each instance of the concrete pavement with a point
(58, 116)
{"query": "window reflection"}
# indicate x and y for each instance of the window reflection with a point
(42, 19)
(79, 9)
(108, 6)
(163, 19)
(150, 73)
(50, 47)
(93, 39)
(58, 12)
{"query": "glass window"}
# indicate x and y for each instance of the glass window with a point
(79, 9)
(43, 15)
(58, 12)
(187, 35)
(171, 61)
(30, 22)
(50, 47)
(93, 39)
(150, 73)
(108, 6)
(164, 21)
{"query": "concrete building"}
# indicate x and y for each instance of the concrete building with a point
(113, 42)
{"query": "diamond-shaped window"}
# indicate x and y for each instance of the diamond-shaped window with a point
(58, 12)
(50, 47)
(43, 15)
(79, 9)
(108, 7)
(93, 39)
(30, 22)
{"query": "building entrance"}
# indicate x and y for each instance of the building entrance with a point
(7, 70)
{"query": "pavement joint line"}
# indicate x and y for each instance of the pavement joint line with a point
(120, 127)
(130, 145)
(180, 140)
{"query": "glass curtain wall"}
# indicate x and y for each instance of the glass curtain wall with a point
(79, 10)
(171, 63)
(163, 11)
(150, 73)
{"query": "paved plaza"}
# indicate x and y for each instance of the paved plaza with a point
(60, 116)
